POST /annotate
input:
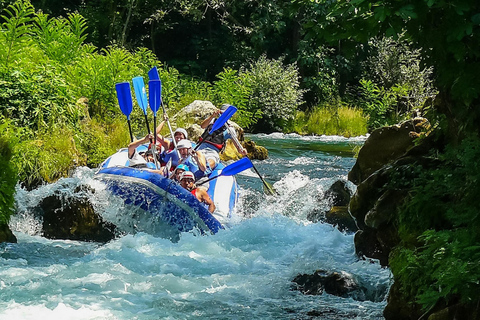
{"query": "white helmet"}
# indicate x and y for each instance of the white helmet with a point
(182, 131)
(184, 144)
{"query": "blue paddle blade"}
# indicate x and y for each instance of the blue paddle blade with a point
(140, 93)
(153, 74)
(124, 96)
(227, 114)
(154, 94)
(236, 167)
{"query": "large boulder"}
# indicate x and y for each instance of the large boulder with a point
(384, 145)
(73, 218)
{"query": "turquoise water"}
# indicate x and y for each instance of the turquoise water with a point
(243, 272)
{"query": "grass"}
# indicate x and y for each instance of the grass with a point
(331, 120)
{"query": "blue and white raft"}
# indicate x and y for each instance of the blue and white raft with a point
(166, 199)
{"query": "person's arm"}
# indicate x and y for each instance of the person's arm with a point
(236, 143)
(205, 198)
(200, 159)
(133, 145)
(207, 121)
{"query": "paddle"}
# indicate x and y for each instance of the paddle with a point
(153, 75)
(154, 93)
(267, 187)
(141, 95)
(124, 96)
(232, 169)
(227, 114)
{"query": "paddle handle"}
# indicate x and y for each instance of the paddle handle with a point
(146, 121)
(130, 130)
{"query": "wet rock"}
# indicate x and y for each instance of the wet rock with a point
(469, 311)
(340, 217)
(255, 151)
(341, 284)
(6, 235)
(338, 284)
(338, 196)
(384, 145)
(73, 218)
(367, 245)
(398, 308)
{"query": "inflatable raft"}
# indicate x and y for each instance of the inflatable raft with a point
(165, 198)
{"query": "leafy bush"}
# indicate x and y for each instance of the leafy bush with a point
(232, 89)
(394, 85)
(52, 155)
(443, 216)
(8, 176)
(273, 90)
(322, 75)
(99, 139)
(35, 100)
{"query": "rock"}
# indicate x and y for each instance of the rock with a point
(458, 311)
(398, 308)
(339, 217)
(338, 284)
(338, 193)
(341, 284)
(255, 151)
(6, 235)
(385, 145)
(368, 245)
(338, 196)
(73, 218)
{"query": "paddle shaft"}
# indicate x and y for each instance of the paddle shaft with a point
(267, 186)
(130, 129)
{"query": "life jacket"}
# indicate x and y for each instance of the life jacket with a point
(216, 138)
(194, 192)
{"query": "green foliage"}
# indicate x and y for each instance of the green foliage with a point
(447, 33)
(274, 90)
(378, 104)
(15, 32)
(321, 71)
(36, 100)
(8, 177)
(61, 39)
(99, 139)
(46, 159)
(231, 88)
(394, 85)
(331, 120)
(444, 216)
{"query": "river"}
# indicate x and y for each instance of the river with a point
(243, 272)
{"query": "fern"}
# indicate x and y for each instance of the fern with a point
(15, 30)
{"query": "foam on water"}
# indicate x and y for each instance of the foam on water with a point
(243, 272)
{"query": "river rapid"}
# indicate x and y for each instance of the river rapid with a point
(242, 272)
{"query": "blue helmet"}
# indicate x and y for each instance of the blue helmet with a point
(183, 167)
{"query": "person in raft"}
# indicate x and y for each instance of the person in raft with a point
(187, 181)
(170, 154)
(213, 144)
(181, 168)
(194, 160)
(142, 159)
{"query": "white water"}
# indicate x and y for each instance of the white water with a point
(244, 272)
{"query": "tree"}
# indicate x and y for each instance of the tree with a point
(447, 33)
